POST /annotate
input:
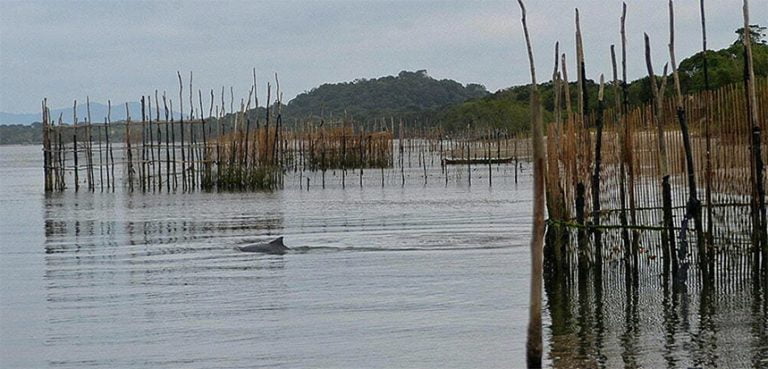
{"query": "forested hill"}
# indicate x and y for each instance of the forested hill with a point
(406, 95)
(509, 108)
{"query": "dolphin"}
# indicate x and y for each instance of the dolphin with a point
(275, 247)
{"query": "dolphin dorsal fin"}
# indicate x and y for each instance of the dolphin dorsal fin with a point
(277, 241)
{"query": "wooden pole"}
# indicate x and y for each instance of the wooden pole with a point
(693, 207)
(88, 148)
(159, 144)
(401, 159)
(583, 105)
(597, 233)
(109, 146)
(74, 147)
(205, 175)
(128, 149)
(708, 141)
(759, 222)
(168, 127)
(628, 158)
(667, 237)
(619, 123)
(181, 137)
(101, 163)
(143, 169)
(173, 147)
(534, 341)
(46, 149)
(151, 148)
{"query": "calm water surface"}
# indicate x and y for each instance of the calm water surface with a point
(431, 276)
(415, 277)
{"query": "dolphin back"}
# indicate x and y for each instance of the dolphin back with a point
(275, 246)
(277, 242)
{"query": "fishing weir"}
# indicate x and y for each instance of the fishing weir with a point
(243, 152)
(672, 184)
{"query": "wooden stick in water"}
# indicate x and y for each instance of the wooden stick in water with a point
(534, 341)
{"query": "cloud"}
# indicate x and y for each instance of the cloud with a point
(120, 50)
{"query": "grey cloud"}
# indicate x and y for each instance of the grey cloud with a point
(120, 50)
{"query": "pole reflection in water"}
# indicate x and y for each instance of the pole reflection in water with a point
(611, 323)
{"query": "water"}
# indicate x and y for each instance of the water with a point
(396, 277)
(431, 276)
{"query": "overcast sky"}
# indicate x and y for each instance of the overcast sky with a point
(119, 50)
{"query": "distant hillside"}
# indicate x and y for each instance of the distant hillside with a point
(407, 94)
(509, 108)
(21, 134)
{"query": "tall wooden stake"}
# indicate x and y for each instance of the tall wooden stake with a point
(759, 222)
(534, 342)
(693, 208)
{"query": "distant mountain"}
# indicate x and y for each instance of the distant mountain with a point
(98, 114)
(13, 118)
(407, 94)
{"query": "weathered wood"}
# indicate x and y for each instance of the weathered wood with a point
(667, 237)
(759, 222)
(534, 341)
(597, 234)
(181, 138)
(693, 210)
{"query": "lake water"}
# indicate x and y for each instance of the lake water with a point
(420, 276)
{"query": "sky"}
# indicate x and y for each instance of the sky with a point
(119, 50)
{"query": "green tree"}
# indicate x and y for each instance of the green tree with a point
(757, 35)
